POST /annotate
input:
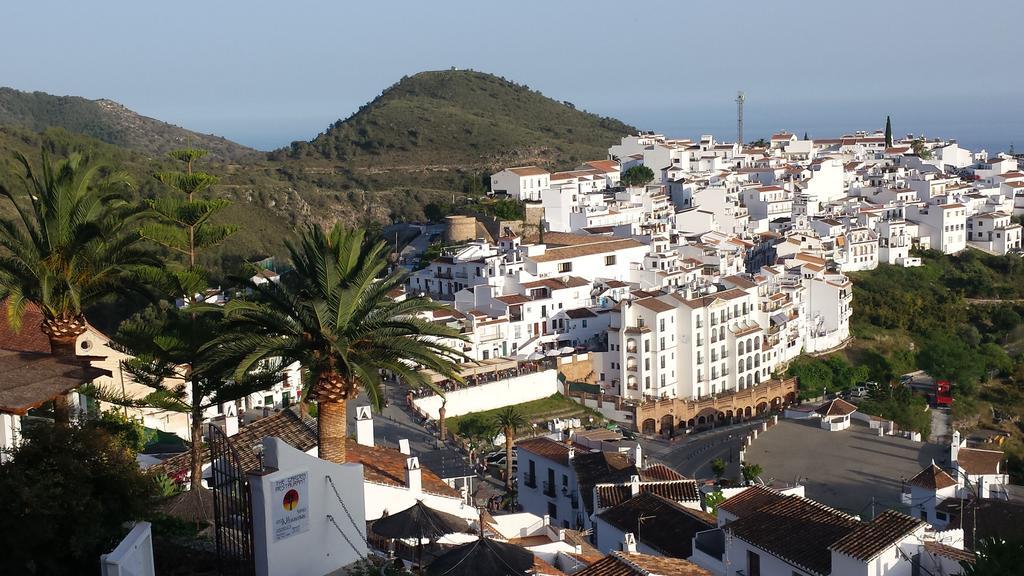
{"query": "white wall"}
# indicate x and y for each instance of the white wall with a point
(381, 497)
(493, 395)
(319, 549)
(133, 555)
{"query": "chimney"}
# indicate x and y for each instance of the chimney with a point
(364, 426)
(634, 485)
(637, 456)
(629, 543)
(413, 479)
(403, 447)
(954, 449)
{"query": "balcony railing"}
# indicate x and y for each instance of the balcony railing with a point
(549, 489)
(530, 480)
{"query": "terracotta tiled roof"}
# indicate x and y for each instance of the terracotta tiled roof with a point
(668, 527)
(660, 473)
(750, 500)
(836, 407)
(512, 299)
(947, 551)
(870, 539)
(932, 478)
(577, 313)
(654, 304)
(609, 495)
(30, 338)
(547, 448)
(387, 466)
(286, 425)
(567, 252)
(559, 283)
(976, 461)
(622, 564)
(528, 171)
(796, 530)
(29, 380)
(603, 165)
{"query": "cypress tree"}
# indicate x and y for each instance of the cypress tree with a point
(888, 132)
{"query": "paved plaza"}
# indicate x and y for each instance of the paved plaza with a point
(843, 469)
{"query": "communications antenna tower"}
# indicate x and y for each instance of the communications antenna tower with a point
(739, 117)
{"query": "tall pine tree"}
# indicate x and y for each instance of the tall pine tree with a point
(168, 343)
(888, 132)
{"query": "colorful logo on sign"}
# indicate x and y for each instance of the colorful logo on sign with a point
(291, 499)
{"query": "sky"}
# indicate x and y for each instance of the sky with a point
(266, 73)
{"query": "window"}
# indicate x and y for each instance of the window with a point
(662, 343)
(564, 267)
(609, 260)
(647, 345)
(552, 510)
(565, 480)
(584, 322)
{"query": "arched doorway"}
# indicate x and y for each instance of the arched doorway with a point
(746, 412)
(648, 426)
(762, 407)
(667, 424)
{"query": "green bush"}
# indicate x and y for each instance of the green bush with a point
(67, 495)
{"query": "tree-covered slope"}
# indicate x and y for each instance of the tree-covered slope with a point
(448, 121)
(110, 122)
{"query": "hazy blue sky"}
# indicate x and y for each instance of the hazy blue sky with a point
(266, 73)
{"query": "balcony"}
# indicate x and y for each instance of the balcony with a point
(530, 480)
(549, 489)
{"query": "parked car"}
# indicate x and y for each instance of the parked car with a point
(859, 392)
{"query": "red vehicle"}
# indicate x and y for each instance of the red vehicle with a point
(943, 395)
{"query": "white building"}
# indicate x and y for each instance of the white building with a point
(522, 183)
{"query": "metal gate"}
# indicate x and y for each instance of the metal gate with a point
(232, 508)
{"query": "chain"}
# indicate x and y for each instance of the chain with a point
(343, 535)
(345, 508)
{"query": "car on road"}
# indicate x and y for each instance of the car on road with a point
(858, 392)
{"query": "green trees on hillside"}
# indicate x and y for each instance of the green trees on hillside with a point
(831, 374)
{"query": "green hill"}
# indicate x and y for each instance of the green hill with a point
(267, 208)
(110, 122)
(428, 136)
(433, 128)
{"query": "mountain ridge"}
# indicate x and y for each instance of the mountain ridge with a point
(111, 122)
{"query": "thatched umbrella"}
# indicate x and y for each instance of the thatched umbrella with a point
(483, 556)
(195, 506)
(421, 522)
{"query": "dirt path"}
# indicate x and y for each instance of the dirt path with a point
(993, 301)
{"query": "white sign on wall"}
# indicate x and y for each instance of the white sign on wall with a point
(290, 501)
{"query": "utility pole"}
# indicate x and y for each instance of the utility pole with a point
(739, 117)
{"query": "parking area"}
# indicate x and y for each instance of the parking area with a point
(849, 470)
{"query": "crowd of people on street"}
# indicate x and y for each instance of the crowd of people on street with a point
(475, 380)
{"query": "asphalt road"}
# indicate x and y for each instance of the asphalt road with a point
(693, 455)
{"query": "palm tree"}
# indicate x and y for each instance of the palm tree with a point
(334, 316)
(718, 468)
(509, 420)
(71, 245)
(750, 472)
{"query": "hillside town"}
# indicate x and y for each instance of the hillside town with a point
(603, 386)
